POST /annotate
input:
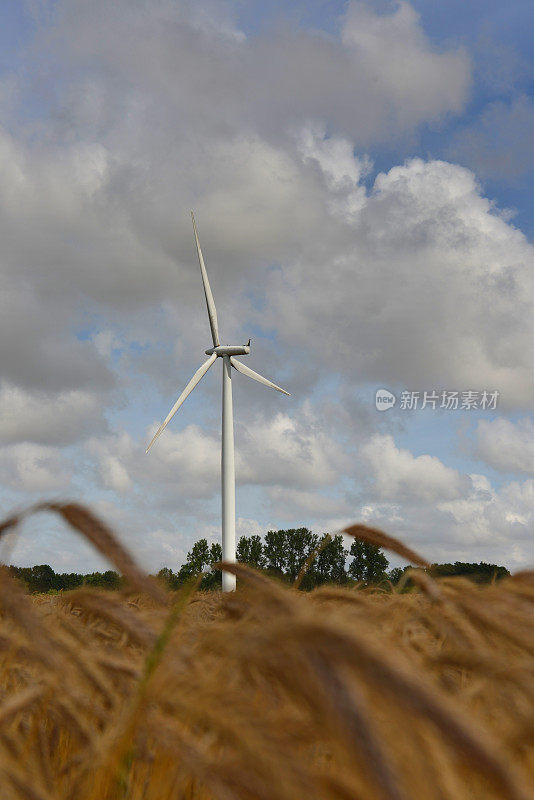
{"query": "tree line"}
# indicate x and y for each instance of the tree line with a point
(281, 554)
(42, 579)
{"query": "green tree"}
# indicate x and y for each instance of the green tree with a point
(69, 580)
(103, 580)
(213, 580)
(215, 553)
(274, 551)
(369, 563)
(199, 556)
(286, 551)
(329, 565)
(250, 551)
(478, 573)
(197, 559)
(395, 574)
(111, 580)
(300, 544)
(23, 574)
(42, 578)
(168, 578)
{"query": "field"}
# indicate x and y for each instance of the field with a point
(268, 693)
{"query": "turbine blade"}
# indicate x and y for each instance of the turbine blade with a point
(210, 302)
(201, 371)
(240, 367)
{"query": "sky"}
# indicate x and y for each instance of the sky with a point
(361, 177)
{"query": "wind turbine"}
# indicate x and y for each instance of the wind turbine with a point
(227, 353)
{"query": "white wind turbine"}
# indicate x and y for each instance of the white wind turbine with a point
(227, 353)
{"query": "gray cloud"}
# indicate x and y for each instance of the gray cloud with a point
(499, 143)
(380, 76)
(49, 418)
(38, 346)
(505, 445)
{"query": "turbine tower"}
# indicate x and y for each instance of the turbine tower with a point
(227, 353)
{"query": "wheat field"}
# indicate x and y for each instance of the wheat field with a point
(268, 693)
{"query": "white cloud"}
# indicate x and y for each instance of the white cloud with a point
(102, 199)
(32, 467)
(483, 523)
(114, 475)
(187, 461)
(185, 464)
(291, 452)
(398, 475)
(495, 519)
(250, 527)
(106, 342)
(428, 287)
(341, 170)
(505, 445)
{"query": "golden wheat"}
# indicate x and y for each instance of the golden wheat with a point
(267, 693)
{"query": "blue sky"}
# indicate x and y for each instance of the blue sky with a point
(361, 174)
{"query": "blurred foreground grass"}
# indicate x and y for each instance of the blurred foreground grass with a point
(266, 693)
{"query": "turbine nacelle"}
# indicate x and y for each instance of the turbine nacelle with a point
(229, 350)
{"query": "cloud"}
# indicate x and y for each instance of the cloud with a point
(113, 474)
(495, 520)
(340, 169)
(32, 467)
(400, 60)
(505, 445)
(186, 461)
(426, 287)
(304, 507)
(38, 346)
(481, 524)
(291, 452)
(107, 208)
(185, 464)
(381, 75)
(48, 418)
(499, 143)
(399, 476)
(447, 514)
